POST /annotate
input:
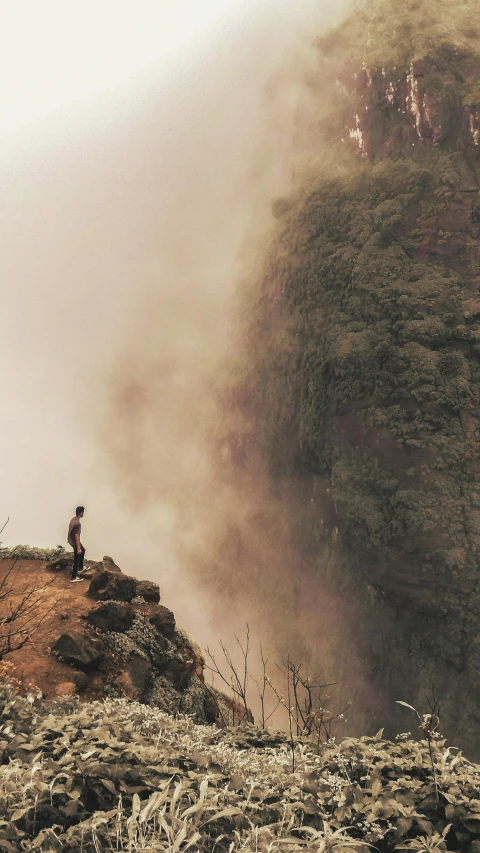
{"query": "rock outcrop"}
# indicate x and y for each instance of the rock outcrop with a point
(162, 619)
(108, 585)
(148, 590)
(128, 645)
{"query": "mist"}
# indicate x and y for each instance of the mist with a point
(131, 224)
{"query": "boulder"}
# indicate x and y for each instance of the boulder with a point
(162, 619)
(75, 648)
(134, 678)
(111, 616)
(148, 590)
(61, 563)
(109, 564)
(109, 585)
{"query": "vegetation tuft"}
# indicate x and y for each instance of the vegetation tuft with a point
(377, 34)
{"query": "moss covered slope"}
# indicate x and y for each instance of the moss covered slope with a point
(368, 326)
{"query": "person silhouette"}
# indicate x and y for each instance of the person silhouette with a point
(73, 539)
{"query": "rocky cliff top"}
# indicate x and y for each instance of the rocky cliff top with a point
(107, 637)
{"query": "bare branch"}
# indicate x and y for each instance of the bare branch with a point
(23, 613)
(236, 683)
(262, 690)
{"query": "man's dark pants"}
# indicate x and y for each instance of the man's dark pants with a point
(77, 561)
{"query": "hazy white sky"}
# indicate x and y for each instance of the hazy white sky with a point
(135, 141)
(58, 53)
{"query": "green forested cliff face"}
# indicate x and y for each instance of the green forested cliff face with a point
(367, 329)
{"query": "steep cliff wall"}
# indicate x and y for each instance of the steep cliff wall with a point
(367, 363)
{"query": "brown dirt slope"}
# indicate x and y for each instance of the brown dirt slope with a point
(63, 607)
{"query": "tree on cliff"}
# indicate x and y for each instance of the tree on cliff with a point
(22, 608)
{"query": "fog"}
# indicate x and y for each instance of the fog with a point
(131, 219)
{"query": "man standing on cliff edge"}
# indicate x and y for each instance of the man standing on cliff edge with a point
(73, 538)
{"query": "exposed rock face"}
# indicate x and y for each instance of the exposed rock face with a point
(432, 101)
(79, 650)
(110, 584)
(109, 565)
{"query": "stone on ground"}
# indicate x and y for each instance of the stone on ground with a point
(79, 650)
(109, 585)
(111, 616)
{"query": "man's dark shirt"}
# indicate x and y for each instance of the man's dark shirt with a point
(73, 528)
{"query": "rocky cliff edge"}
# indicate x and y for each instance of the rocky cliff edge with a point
(108, 637)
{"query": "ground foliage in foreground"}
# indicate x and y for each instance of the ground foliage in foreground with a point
(122, 776)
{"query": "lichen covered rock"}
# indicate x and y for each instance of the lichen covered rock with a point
(134, 677)
(79, 650)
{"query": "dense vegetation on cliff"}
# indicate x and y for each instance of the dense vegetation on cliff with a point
(377, 33)
(366, 329)
(376, 346)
